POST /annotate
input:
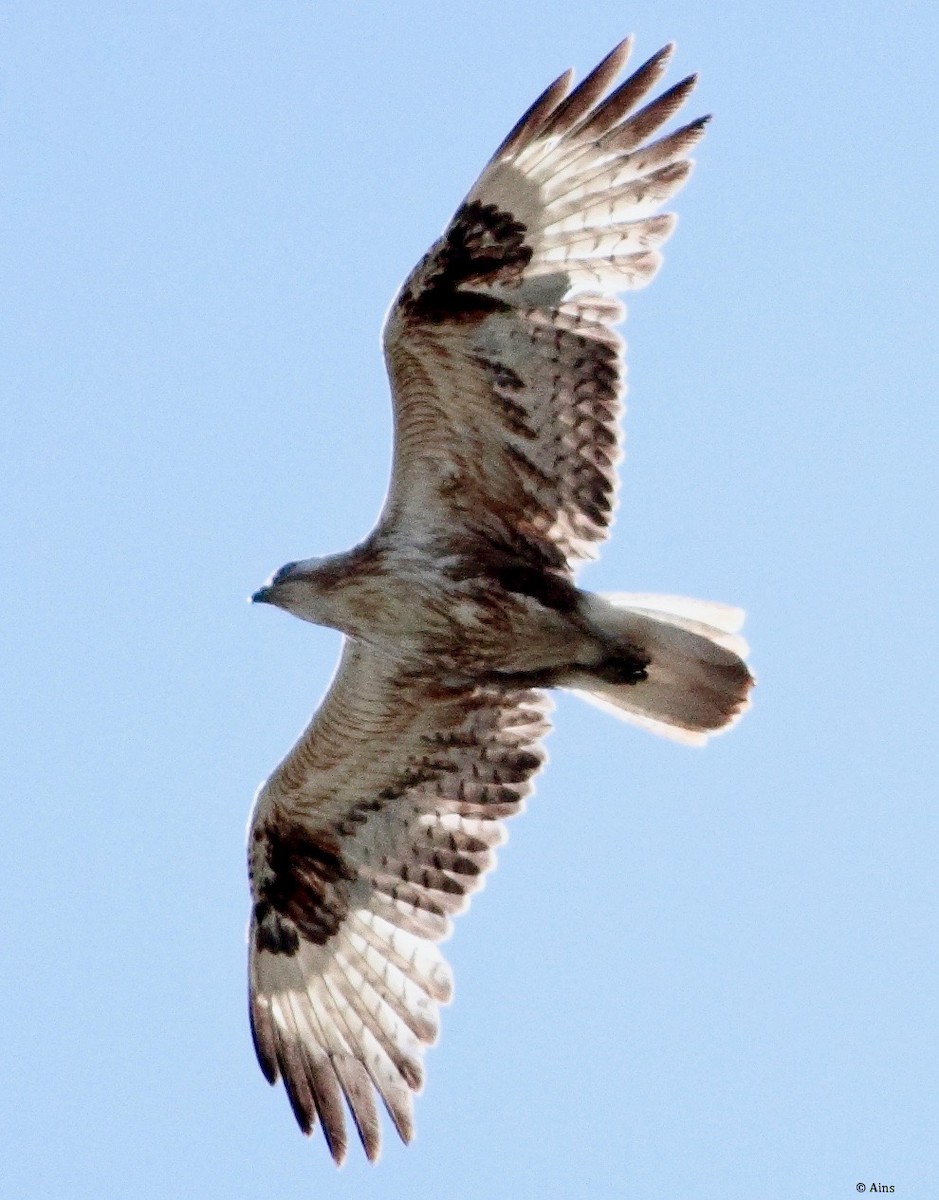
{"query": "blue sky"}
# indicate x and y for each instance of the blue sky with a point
(694, 974)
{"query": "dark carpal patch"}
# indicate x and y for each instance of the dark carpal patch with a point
(484, 244)
(273, 931)
(307, 894)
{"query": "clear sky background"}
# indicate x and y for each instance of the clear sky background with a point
(694, 974)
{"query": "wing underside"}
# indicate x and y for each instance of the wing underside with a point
(371, 835)
(505, 366)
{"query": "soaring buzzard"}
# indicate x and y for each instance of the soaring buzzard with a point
(460, 607)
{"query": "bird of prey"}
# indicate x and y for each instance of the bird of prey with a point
(460, 608)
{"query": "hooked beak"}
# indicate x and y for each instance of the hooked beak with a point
(263, 596)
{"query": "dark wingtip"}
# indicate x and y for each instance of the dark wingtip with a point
(262, 1037)
(534, 118)
(337, 1148)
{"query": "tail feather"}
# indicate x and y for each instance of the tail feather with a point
(696, 682)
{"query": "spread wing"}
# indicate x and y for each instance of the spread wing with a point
(367, 838)
(505, 367)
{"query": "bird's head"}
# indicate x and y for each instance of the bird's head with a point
(299, 588)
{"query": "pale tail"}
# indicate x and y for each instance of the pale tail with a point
(697, 682)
